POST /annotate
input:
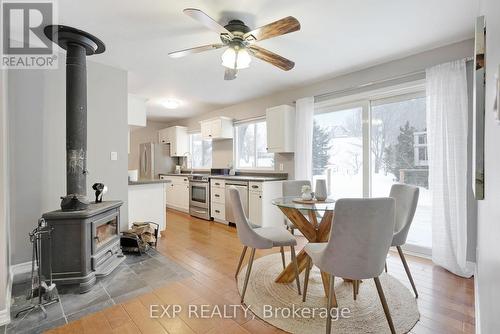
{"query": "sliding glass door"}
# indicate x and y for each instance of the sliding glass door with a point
(363, 148)
(338, 150)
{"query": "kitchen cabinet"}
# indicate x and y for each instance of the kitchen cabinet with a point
(177, 192)
(261, 210)
(178, 139)
(218, 200)
(217, 128)
(255, 207)
(280, 123)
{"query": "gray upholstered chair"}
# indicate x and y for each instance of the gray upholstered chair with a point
(259, 238)
(406, 198)
(293, 188)
(359, 241)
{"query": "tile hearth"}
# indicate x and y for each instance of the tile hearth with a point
(135, 276)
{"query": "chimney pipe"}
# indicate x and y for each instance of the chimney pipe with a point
(78, 44)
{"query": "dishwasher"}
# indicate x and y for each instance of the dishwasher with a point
(242, 187)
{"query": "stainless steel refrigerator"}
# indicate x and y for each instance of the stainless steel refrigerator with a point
(155, 159)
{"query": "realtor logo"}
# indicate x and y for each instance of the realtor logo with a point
(24, 45)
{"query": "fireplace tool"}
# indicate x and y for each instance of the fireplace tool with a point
(44, 293)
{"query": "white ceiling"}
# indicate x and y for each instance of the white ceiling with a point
(336, 37)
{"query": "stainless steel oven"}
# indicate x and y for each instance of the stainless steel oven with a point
(199, 196)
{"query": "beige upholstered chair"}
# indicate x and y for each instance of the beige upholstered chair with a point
(406, 198)
(359, 241)
(293, 188)
(259, 238)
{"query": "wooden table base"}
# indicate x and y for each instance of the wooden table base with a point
(313, 232)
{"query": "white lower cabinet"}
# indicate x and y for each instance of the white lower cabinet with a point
(218, 200)
(255, 207)
(177, 192)
(261, 210)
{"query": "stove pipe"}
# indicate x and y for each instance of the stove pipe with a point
(78, 44)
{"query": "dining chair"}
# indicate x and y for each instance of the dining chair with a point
(293, 188)
(406, 198)
(359, 241)
(259, 238)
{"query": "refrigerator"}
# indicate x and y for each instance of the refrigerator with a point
(155, 159)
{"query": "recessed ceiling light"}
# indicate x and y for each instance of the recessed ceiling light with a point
(171, 103)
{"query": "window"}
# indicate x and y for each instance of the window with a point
(250, 146)
(201, 151)
(363, 148)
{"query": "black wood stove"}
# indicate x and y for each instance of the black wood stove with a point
(85, 239)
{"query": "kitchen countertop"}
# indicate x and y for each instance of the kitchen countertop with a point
(254, 177)
(148, 181)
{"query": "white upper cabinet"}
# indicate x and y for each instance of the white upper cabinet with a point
(178, 139)
(136, 110)
(217, 128)
(280, 129)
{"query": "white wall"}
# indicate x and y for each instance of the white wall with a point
(4, 204)
(488, 251)
(37, 136)
(257, 107)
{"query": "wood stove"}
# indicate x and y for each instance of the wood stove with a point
(85, 243)
(85, 239)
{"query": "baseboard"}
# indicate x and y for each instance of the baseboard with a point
(476, 302)
(20, 269)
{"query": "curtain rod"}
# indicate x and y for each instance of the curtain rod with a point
(377, 82)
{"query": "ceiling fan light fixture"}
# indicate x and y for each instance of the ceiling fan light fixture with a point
(236, 58)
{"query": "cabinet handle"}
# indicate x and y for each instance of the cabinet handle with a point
(216, 195)
(217, 211)
(217, 184)
(260, 196)
(255, 187)
(185, 179)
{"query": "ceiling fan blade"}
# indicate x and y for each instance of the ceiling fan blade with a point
(230, 74)
(271, 57)
(206, 20)
(277, 28)
(185, 52)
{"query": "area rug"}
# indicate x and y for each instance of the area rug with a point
(278, 303)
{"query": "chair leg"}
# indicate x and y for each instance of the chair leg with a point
(296, 267)
(354, 289)
(242, 256)
(283, 256)
(332, 302)
(385, 266)
(249, 268)
(384, 304)
(407, 269)
(306, 278)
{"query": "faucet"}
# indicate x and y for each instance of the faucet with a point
(189, 157)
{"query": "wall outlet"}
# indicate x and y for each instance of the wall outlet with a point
(281, 167)
(114, 156)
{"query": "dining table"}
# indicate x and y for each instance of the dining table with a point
(304, 216)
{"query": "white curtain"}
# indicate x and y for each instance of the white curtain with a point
(446, 87)
(304, 117)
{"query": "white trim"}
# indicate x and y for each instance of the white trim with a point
(19, 269)
(477, 315)
(5, 313)
(250, 120)
(376, 94)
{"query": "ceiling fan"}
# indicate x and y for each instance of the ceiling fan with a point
(239, 41)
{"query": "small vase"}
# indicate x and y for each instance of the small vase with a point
(320, 190)
(306, 196)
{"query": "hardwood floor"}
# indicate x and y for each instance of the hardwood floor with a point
(211, 252)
